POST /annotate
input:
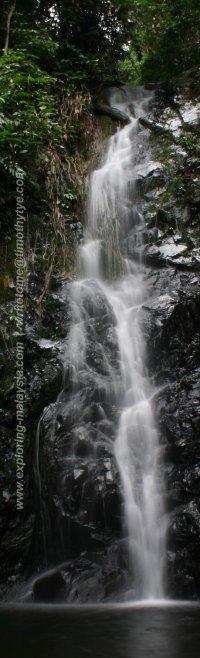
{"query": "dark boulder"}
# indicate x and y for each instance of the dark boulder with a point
(50, 588)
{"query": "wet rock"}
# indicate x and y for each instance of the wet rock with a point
(183, 563)
(184, 529)
(150, 176)
(162, 218)
(50, 588)
(151, 125)
(165, 250)
(16, 541)
(183, 574)
(94, 413)
(83, 445)
(174, 360)
(86, 579)
(113, 112)
(182, 483)
(190, 113)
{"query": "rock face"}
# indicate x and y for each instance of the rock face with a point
(77, 484)
(73, 515)
(95, 577)
(172, 325)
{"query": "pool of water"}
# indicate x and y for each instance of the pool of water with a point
(139, 631)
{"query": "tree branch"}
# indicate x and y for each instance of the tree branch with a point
(12, 9)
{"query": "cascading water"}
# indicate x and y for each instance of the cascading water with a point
(113, 208)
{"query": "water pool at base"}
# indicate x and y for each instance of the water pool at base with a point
(139, 631)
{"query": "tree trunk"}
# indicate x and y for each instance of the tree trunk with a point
(12, 9)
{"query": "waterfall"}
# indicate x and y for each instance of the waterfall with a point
(113, 208)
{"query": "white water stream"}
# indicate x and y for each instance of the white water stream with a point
(113, 204)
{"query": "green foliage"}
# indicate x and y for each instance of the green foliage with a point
(91, 34)
(189, 142)
(130, 67)
(27, 112)
(169, 37)
(38, 43)
(57, 50)
(68, 200)
(83, 40)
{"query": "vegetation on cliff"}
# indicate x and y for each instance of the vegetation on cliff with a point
(52, 56)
